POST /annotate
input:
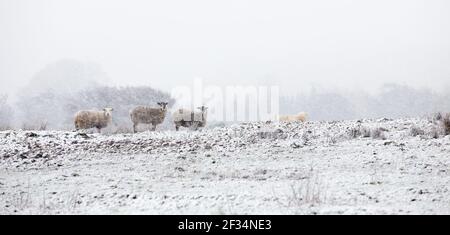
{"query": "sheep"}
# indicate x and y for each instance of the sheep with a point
(87, 119)
(188, 118)
(148, 115)
(293, 118)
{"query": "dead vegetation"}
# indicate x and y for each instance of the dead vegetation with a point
(442, 125)
(416, 131)
(309, 191)
(366, 132)
(445, 123)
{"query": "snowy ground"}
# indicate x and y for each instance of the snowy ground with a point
(350, 167)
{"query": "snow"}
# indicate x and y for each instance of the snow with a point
(247, 168)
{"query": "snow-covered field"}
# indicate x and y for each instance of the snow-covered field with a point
(349, 167)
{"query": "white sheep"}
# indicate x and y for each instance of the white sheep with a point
(148, 115)
(188, 118)
(302, 116)
(87, 119)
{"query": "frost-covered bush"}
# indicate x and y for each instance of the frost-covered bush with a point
(415, 131)
(378, 133)
(442, 125)
(359, 131)
(354, 132)
(446, 124)
(434, 133)
(437, 116)
(366, 132)
(332, 139)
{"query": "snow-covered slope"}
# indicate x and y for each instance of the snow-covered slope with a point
(365, 167)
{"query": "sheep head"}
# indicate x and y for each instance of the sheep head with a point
(203, 108)
(108, 112)
(163, 105)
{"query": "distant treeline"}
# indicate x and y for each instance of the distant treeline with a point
(392, 101)
(53, 110)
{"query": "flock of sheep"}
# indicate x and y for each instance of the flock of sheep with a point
(87, 119)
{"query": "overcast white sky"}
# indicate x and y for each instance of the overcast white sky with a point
(326, 43)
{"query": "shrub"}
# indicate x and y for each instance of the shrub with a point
(378, 133)
(434, 133)
(366, 132)
(446, 124)
(415, 131)
(359, 131)
(354, 132)
(310, 191)
(437, 116)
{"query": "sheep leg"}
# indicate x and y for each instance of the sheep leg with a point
(153, 127)
(99, 130)
(134, 127)
(177, 127)
(195, 126)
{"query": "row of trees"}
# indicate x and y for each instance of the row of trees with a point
(393, 101)
(56, 110)
(56, 92)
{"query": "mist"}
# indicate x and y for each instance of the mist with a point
(350, 48)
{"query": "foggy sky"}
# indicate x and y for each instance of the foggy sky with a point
(295, 44)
